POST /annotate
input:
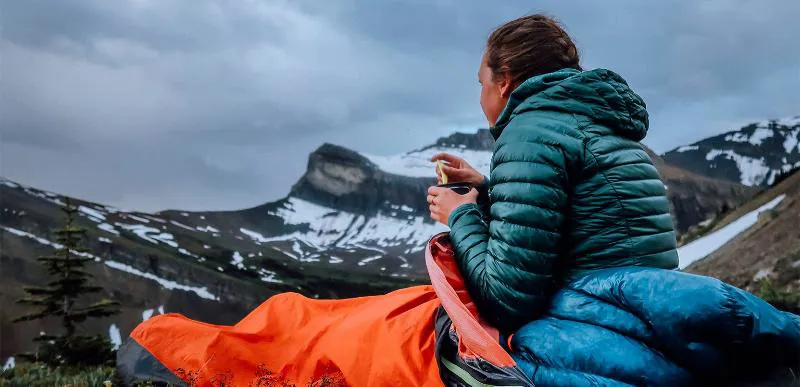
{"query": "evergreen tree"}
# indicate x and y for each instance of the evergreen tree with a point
(61, 298)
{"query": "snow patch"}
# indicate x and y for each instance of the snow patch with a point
(189, 253)
(256, 237)
(147, 314)
(791, 141)
(104, 240)
(150, 234)
(269, 276)
(706, 222)
(789, 121)
(167, 284)
(368, 260)
(112, 210)
(140, 219)
(9, 183)
(108, 228)
(46, 242)
(737, 137)
(114, 336)
(156, 219)
(752, 171)
(687, 148)
(49, 196)
(290, 255)
(704, 246)
(206, 229)
(10, 363)
(237, 260)
(31, 236)
(181, 225)
(761, 134)
(92, 213)
(761, 274)
(333, 259)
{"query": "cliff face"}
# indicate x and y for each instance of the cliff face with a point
(345, 180)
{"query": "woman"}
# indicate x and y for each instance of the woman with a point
(571, 189)
(564, 246)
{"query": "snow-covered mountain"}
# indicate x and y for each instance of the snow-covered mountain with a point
(755, 155)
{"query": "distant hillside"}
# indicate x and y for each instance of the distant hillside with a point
(694, 197)
(754, 155)
(762, 240)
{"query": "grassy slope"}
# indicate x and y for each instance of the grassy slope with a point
(770, 248)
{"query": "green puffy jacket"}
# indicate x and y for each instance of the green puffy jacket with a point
(570, 190)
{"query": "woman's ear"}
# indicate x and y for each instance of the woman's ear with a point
(504, 85)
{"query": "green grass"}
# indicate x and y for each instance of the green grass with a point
(780, 298)
(29, 375)
(37, 374)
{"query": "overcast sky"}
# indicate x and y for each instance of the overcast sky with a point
(202, 104)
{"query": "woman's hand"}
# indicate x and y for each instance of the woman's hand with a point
(442, 202)
(457, 170)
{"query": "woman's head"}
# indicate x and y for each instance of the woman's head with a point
(520, 49)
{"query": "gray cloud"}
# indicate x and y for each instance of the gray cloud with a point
(215, 104)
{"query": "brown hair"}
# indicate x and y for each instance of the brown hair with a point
(529, 46)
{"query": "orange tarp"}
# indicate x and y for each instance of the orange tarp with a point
(385, 340)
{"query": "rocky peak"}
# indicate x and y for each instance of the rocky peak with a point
(343, 179)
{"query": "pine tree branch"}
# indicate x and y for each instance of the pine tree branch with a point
(33, 301)
(32, 316)
(36, 291)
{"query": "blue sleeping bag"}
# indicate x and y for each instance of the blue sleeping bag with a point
(654, 327)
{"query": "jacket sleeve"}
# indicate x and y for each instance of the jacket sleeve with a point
(483, 196)
(507, 258)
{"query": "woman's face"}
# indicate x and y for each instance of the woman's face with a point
(494, 92)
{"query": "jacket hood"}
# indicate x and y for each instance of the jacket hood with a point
(601, 95)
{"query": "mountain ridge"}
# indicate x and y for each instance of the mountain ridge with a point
(754, 155)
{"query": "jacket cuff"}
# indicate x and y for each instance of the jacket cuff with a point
(461, 211)
(483, 193)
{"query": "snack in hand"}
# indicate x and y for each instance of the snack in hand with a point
(440, 164)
